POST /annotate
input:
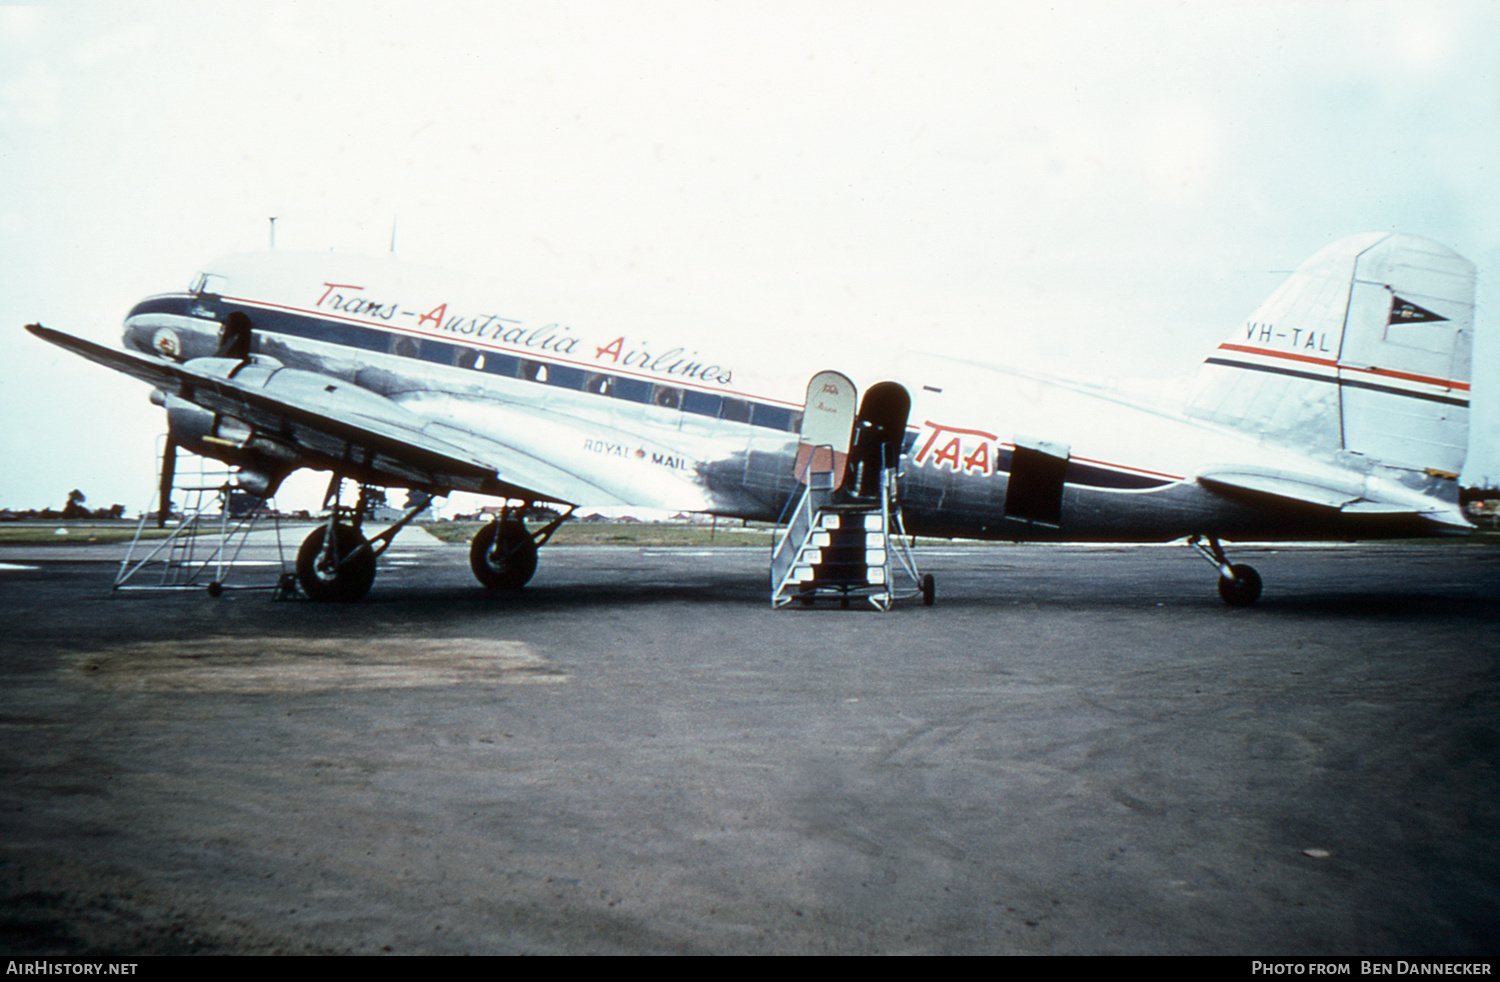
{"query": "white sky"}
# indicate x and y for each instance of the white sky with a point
(1077, 186)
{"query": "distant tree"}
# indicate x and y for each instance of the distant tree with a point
(74, 508)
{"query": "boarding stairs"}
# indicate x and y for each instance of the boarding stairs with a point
(841, 546)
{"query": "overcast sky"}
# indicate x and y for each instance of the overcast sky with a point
(1104, 186)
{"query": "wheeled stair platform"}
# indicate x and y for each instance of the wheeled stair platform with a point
(840, 550)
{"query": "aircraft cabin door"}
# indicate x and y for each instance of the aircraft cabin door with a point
(827, 428)
(1034, 492)
(878, 435)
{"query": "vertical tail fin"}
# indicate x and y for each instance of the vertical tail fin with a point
(1366, 348)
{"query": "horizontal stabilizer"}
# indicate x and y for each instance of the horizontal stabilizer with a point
(1354, 498)
(1282, 486)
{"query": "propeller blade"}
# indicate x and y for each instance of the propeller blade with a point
(168, 478)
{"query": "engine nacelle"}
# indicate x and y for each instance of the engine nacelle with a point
(266, 457)
(262, 463)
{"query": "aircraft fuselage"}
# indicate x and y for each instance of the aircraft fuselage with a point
(666, 422)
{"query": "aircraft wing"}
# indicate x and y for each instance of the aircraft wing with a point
(1349, 498)
(335, 421)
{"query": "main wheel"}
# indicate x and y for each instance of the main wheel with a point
(1243, 590)
(343, 576)
(929, 590)
(507, 564)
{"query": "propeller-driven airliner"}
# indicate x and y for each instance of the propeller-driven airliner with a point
(1339, 410)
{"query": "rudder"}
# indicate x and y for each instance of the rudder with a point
(1366, 348)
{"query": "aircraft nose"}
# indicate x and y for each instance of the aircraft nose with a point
(170, 335)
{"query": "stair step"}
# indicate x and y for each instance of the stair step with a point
(840, 549)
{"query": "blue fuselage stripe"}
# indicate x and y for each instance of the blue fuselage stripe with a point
(269, 320)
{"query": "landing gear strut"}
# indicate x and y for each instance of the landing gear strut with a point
(1239, 585)
(503, 554)
(336, 562)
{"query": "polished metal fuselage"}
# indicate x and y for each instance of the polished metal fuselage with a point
(592, 416)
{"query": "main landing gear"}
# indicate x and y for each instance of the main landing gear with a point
(1239, 585)
(336, 562)
(503, 553)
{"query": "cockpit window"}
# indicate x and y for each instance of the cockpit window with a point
(211, 284)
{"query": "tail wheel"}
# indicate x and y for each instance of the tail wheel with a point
(503, 555)
(344, 575)
(1243, 590)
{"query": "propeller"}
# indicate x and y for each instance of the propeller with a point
(168, 478)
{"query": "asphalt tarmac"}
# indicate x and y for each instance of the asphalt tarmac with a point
(1076, 750)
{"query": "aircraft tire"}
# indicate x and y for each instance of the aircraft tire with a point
(1243, 590)
(350, 581)
(929, 590)
(513, 563)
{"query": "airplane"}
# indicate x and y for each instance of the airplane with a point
(1337, 411)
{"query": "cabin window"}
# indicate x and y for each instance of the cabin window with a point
(404, 348)
(667, 397)
(776, 418)
(734, 410)
(564, 377)
(469, 358)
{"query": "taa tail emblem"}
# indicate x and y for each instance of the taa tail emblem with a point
(1406, 312)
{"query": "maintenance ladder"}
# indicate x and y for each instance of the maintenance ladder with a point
(201, 550)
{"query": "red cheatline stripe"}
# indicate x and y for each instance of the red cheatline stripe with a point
(1122, 467)
(1329, 363)
(1104, 463)
(1307, 359)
